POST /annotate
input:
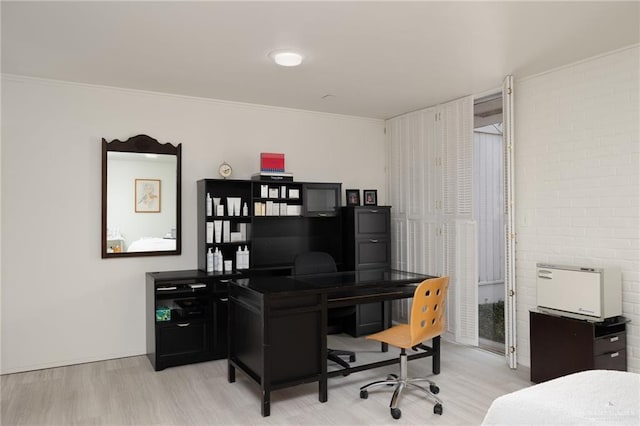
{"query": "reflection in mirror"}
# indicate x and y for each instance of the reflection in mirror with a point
(140, 197)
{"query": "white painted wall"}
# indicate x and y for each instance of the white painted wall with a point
(577, 145)
(62, 303)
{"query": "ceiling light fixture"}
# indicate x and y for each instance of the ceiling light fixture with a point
(286, 58)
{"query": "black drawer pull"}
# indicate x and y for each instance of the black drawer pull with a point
(226, 281)
(615, 354)
(184, 324)
(226, 299)
(373, 241)
(373, 211)
(614, 339)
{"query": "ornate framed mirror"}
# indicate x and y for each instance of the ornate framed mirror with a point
(141, 198)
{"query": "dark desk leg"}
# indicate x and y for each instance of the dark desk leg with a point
(265, 409)
(231, 373)
(387, 311)
(322, 385)
(322, 391)
(436, 355)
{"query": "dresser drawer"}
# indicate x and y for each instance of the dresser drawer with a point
(611, 361)
(610, 343)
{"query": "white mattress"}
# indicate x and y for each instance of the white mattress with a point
(595, 397)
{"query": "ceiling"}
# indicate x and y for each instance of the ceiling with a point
(373, 59)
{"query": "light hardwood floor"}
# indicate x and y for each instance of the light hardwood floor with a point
(128, 392)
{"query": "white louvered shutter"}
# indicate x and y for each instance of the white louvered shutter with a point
(416, 162)
(430, 158)
(449, 243)
(466, 297)
(449, 127)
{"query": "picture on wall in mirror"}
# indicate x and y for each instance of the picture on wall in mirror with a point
(370, 197)
(353, 197)
(147, 196)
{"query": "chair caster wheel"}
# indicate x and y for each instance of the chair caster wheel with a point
(434, 389)
(396, 413)
(391, 377)
(364, 394)
(352, 358)
(437, 409)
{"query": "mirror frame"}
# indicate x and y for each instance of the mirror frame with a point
(145, 145)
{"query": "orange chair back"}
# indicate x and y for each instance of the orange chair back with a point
(427, 312)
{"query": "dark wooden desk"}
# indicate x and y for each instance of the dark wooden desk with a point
(278, 325)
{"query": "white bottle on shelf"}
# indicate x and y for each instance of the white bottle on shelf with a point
(239, 259)
(209, 205)
(210, 261)
(220, 261)
(245, 210)
(246, 257)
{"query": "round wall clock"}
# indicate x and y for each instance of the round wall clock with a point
(225, 170)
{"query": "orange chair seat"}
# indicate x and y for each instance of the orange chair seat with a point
(398, 336)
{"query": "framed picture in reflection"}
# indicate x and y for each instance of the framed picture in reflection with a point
(147, 196)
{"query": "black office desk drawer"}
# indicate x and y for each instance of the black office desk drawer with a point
(183, 342)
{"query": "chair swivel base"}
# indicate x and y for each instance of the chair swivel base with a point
(335, 354)
(400, 384)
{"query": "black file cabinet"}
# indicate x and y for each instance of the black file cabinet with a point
(561, 346)
(367, 245)
(186, 317)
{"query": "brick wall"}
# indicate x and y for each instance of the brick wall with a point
(577, 161)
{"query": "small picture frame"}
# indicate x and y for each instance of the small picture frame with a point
(370, 197)
(147, 192)
(353, 197)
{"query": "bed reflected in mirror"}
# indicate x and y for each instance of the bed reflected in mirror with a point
(140, 198)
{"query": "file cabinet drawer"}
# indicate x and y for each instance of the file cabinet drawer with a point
(610, 343)
(373, 253)
(182, 338)
(611, 361)
(372, 222)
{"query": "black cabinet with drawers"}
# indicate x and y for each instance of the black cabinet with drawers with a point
(186, 317)
(561, 346)
(367, 245)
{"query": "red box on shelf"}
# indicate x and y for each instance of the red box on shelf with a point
(271, 162)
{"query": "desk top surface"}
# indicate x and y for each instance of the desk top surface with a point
(337, 281)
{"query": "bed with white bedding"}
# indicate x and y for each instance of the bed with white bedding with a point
(152, 244)
(595, 397)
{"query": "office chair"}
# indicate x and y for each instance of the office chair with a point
(426, 322)
(317, 262)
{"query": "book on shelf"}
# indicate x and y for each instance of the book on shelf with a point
(273, 176)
